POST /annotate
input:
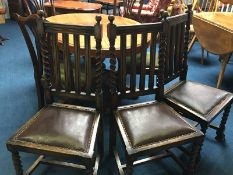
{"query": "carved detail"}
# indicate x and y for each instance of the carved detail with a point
(220, 132)
(186, 43)
(162, 52)
(190, 169)
(17, 163)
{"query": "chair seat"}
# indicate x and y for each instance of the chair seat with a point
(201, 100)
(68, 127)
(152, 123)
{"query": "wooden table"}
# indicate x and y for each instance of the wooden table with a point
(74, 6)
(214, 31)
(88, 19)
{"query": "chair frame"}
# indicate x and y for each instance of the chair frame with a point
(132, 154)
(89, 160)
(33, 51)
(187, 112)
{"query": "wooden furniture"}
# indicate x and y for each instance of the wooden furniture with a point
(206, 25)
(15, 6)
(33, 6)
(27, 26)
(195, 101)
(110, 3)
(65, 132)
(150, 129)
(146, 13)
(207, 6)
(75, 6)
(81, 19)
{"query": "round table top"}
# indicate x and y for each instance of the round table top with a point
(88, 19)
(214, 31)
(75, 5)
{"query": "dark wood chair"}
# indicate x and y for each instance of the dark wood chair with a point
(27, 26)
(64, 131)
(196, 101)
(32, 6)
(149, 130)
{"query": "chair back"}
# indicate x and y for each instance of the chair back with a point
(127, 81)
(128, 9)
(225, 6)
(32, 6)
(29, 30)
(70, 75)
(177, 38)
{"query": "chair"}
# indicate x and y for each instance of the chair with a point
(196, 101)
(149, 129)
(63, 131)
(146, 13)
(27, 26)
(32, 6)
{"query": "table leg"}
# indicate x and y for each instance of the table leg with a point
(225, 59)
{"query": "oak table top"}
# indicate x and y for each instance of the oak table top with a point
(88, 19)
(75, 6)
(214, 31)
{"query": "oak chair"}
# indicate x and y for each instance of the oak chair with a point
(32, 6)
(27, 26)
(196, 101)
(147, 129)
(64, 131)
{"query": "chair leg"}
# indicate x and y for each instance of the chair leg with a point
(191, 167)
(100, 139)
(129, 166)
(112, 135)
(220, 132)
(17, 163)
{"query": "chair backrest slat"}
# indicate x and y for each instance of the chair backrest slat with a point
(143, 61)
(77, 59)
(56, 61)
(122, 64)
(88, 64)
(133, 62)
(152, 60)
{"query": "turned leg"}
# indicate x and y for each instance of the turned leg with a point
(129, 166)
(100, 139)
(112, 135)
(190, 169)
(202, 55)
(220, 132)
(17, 163)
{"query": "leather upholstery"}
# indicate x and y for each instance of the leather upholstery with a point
(152, 123)
(198, 97)
(60, 127)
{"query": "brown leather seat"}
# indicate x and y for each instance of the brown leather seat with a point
(204, 101)
(151, 124)
(55, 126)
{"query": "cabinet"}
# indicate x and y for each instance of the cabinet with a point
(15, 6)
